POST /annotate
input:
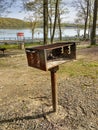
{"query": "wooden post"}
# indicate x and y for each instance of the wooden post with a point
(54, 88)
(21, 45)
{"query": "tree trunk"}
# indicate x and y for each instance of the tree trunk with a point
(50, 28)
(55, 20)
(86, 19)
(85, 28)
(33, 34)
(93, 33)
(59, 24)
(45, 16)
(90, 20)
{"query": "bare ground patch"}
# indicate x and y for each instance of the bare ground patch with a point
(25, 95)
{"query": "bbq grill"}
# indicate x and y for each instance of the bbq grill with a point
(49, 57)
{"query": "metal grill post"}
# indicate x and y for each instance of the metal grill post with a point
(54, 87)
(49, 57)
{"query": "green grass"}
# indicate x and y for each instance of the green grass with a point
(9, 46)
(33, 44)
(16, 45)
(80, 67)
(73, 68)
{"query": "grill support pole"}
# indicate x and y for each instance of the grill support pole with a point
(54, 87)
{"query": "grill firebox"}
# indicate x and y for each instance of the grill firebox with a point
(48, 56)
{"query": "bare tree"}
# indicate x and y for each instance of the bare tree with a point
(51, 14)
(33, 19)
(62, 11)
(39, 8)
(84, 12)
(55, 19)
(34, 13)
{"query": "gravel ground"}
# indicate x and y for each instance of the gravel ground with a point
(25, 101)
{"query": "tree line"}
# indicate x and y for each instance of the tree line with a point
(13, 23)
(51, 13)
(87, 12)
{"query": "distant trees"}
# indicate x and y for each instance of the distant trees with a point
(51, 12)
(87, 10)
(39, 10)
(11, 23)
(33, 14)
(56, 9)
(84, 13)
(33, 22)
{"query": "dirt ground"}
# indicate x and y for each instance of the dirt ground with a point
(25, 95)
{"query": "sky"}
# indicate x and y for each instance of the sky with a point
(17, 12)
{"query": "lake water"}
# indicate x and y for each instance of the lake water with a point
(12, 33)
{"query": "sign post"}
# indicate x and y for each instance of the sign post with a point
(20, 38)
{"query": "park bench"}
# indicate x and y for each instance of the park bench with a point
(2, 49)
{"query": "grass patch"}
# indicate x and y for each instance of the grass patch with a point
(33, 44)
(9, 46)
(80, 67)
(74, 68)
(16, 45)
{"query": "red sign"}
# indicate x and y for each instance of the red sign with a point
(20, 34)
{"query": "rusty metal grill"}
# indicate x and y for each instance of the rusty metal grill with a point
(48, 56)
